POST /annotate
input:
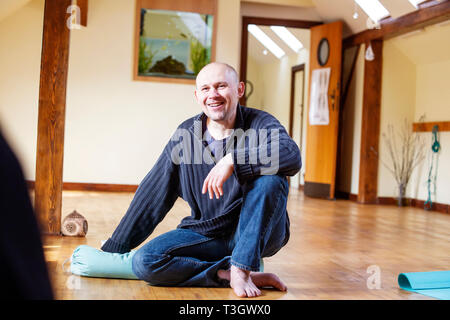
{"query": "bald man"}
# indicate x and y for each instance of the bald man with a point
(229, 163)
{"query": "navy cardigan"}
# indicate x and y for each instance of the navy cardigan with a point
(183, 166)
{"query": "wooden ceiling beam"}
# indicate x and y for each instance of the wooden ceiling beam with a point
(430, 13)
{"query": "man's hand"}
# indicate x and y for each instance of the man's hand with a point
(217, 177)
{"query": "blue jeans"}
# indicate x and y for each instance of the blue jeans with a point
(185, 258)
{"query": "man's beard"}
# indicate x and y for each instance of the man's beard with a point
(217, 116)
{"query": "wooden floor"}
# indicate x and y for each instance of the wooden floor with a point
(331, 246)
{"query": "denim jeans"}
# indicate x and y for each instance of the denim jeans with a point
(185, 258)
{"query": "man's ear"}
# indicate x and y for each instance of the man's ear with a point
(195, 95)
(241, 89)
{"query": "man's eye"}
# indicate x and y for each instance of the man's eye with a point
(204, 89)
(222, 86)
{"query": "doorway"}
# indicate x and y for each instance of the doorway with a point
(296, 115)
(277, 84)
(264, 23)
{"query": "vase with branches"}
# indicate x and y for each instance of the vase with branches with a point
(406, 150)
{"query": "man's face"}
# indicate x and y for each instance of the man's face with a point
(218, 92)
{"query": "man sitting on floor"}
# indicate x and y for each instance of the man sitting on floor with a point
(239, 155)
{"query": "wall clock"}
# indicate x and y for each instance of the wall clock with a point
(323, 51)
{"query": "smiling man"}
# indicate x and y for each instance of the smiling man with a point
(237, 198)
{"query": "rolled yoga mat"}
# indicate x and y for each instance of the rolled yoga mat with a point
(91, 262)
(434, 284)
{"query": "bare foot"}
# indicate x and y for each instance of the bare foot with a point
(246, 283)
(263, 279)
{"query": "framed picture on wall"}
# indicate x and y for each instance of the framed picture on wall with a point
(173, 39)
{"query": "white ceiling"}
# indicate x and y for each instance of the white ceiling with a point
(332, 10)
(329, 11)
(325, 10)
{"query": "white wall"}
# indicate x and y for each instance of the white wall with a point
(20, 60)
(115, 127)
(254, 76)
(414, 86)
(433, 101)
(8, 7)
(398, 94)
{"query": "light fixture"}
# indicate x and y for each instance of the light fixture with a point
(416, 3)
(265, 40)
(374, 9)
(355, 12)
(370, 55)
(265, 52)
(287, 37)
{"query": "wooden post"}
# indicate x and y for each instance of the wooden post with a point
(51, 117)
(83, 5)
(370, 132)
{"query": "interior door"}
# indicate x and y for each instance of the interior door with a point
(297, 94)
(323, 110)
(299, 106)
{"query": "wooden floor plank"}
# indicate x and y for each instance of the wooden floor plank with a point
(331, 246)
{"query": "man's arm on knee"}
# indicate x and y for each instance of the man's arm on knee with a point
(275, 152)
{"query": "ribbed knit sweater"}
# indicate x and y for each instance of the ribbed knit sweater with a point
(182, 168)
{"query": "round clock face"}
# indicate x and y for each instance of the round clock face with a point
(323, 51)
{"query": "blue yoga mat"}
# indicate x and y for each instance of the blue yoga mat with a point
(434, 284)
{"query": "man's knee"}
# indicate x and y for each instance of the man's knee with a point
(144, 266)
(138, 265)
(271, 183)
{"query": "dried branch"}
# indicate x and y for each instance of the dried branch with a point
(405, 151)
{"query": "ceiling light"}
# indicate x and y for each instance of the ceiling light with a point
(265, 40)
(416, 3)
(355, 12)
(265, 52)
(374, 9)
(287, 37)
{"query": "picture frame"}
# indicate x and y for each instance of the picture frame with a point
(173, 39)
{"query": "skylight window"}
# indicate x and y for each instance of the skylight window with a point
(416, 3)
(266, 41)
(287, 37)
(374, 9)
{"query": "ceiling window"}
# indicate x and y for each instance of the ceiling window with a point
(416, 3)
(374, 9)
(287, 37)
(266, 41)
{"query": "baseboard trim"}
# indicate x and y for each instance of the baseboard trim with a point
(439, 207)
(391, 201)
(346, 195)
(100, 187)
(409, 202)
